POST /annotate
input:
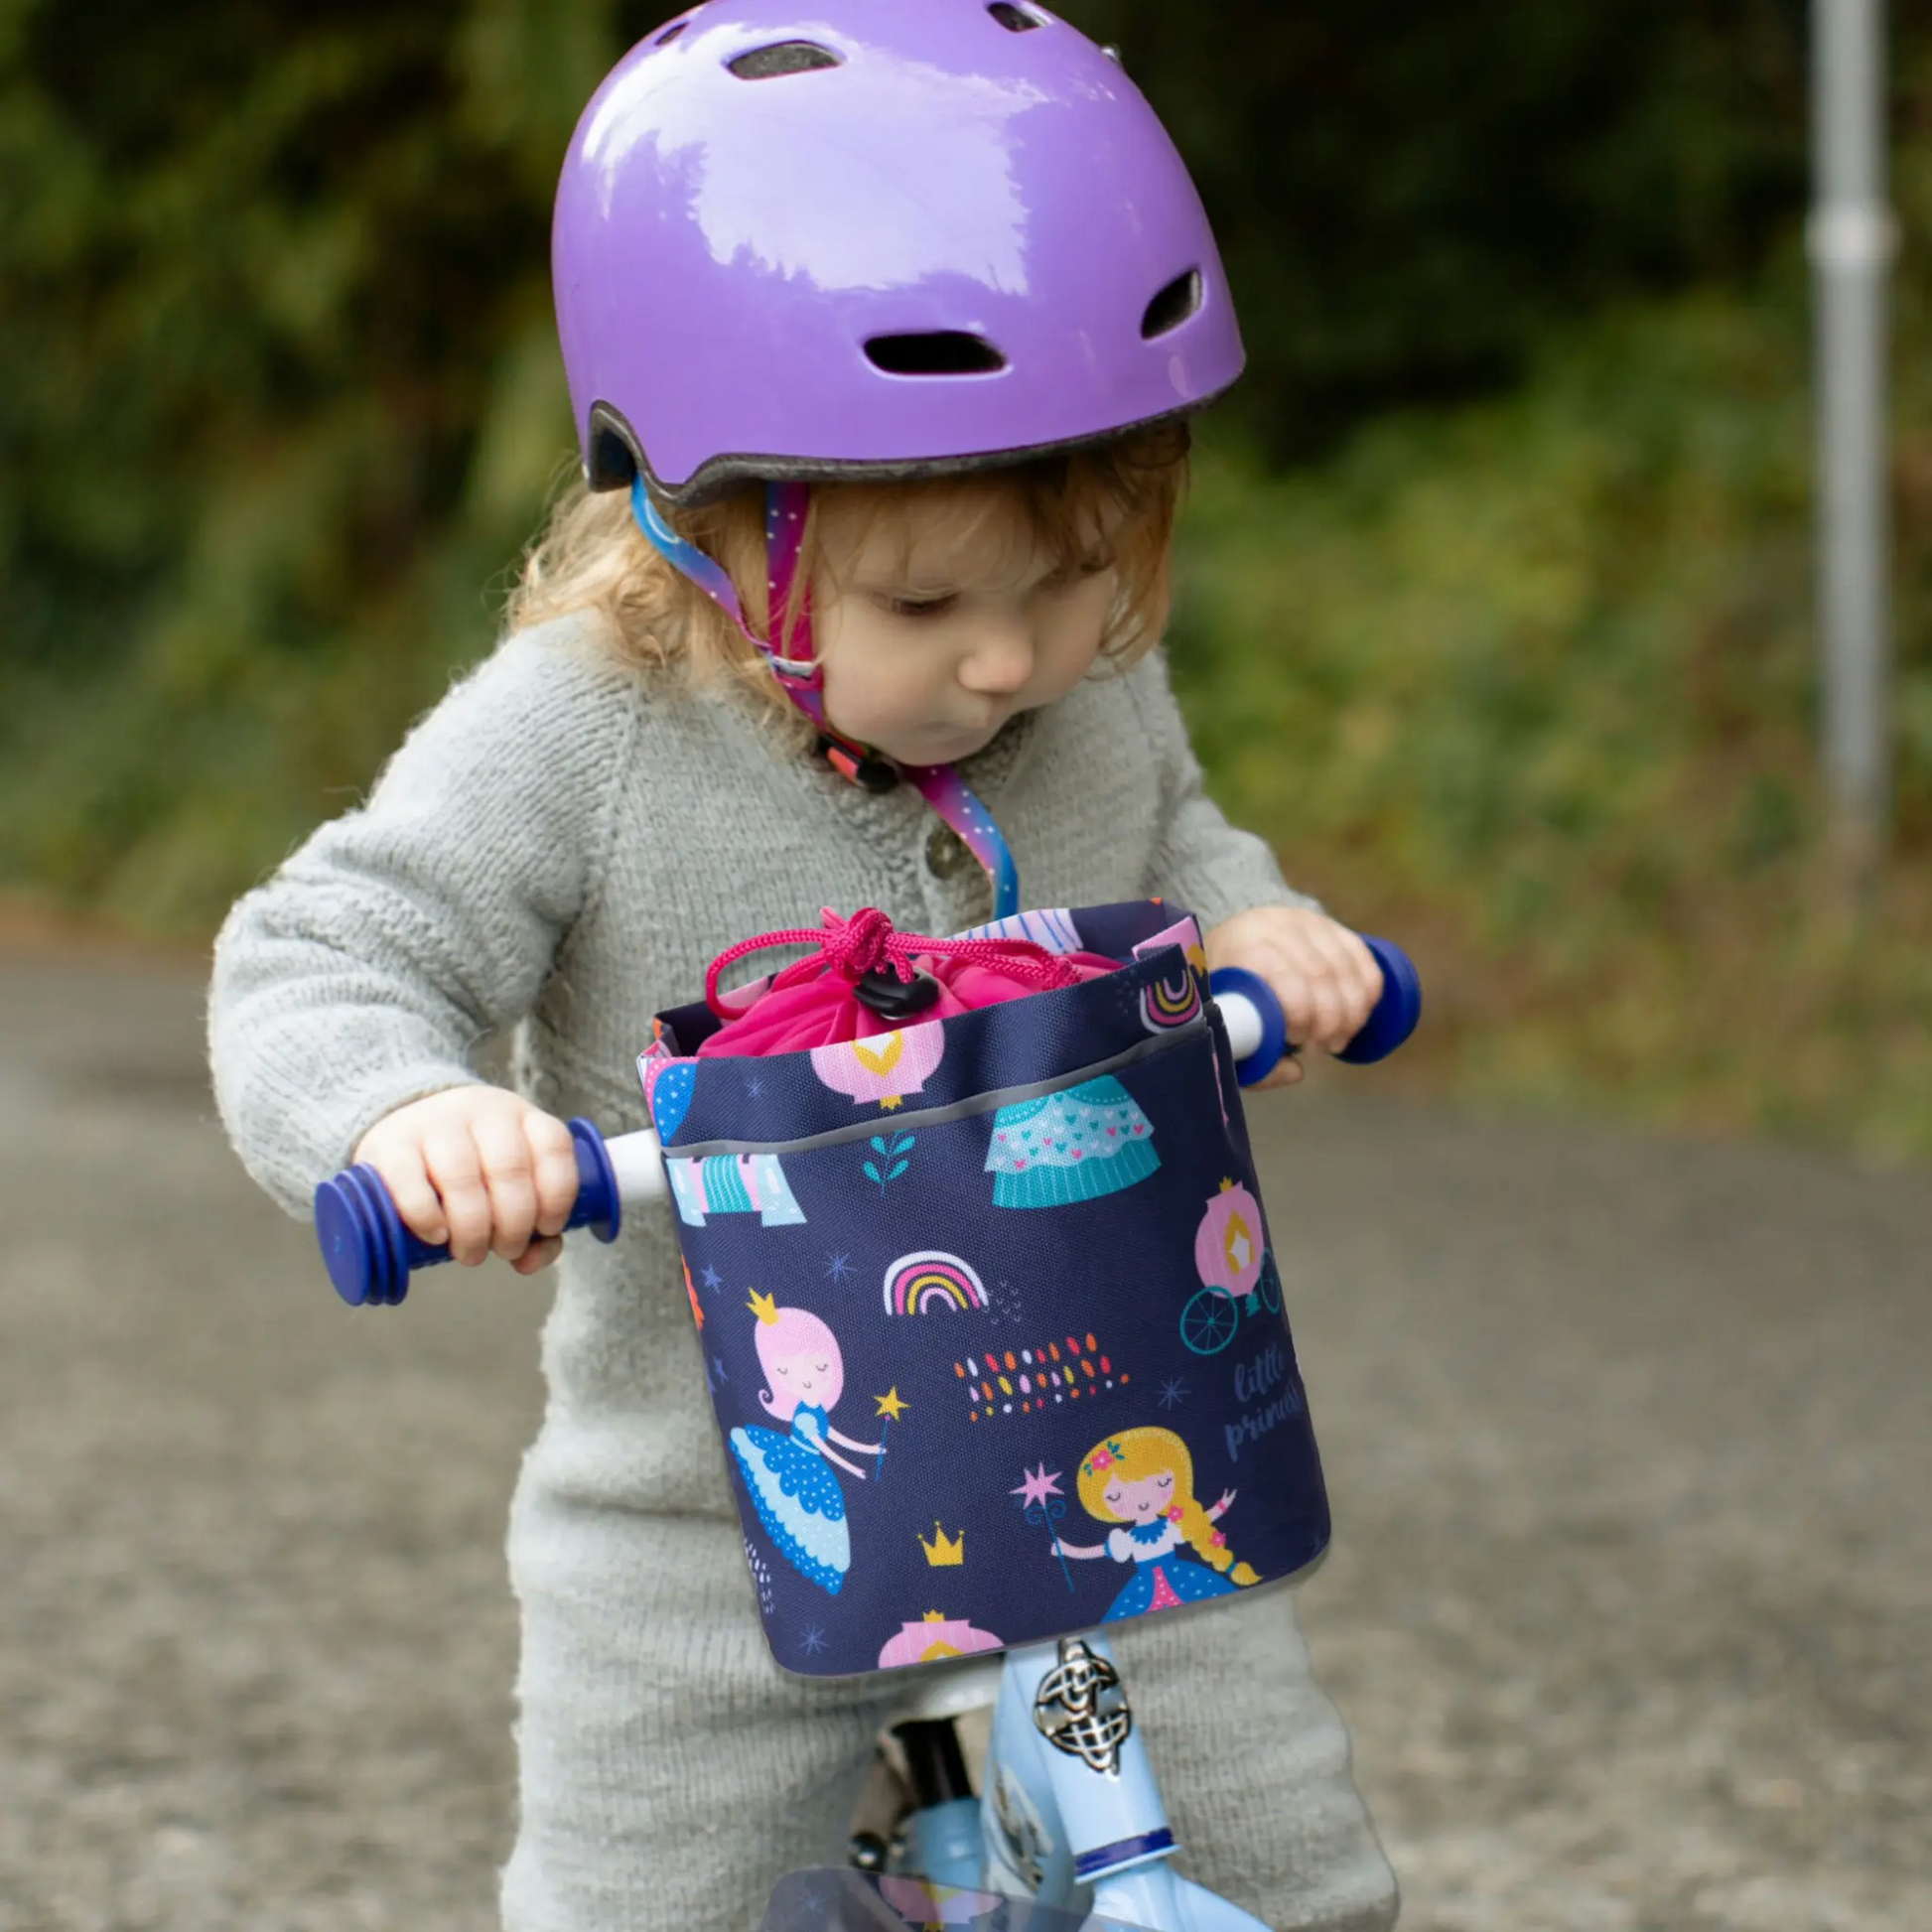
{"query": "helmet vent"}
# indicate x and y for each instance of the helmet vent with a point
(1016, 20)
(1176, 303)
(782, 57)
(670, 33)
(946, 351)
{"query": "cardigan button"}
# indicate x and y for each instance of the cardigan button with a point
(947, 855)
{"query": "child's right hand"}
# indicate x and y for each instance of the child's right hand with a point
(480, 1168)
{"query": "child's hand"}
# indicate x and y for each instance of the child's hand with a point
(1327, 980)
(480, 1168)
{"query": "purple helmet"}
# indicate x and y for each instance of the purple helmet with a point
(875, 238)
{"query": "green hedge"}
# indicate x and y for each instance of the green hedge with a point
(1533, 684)
(1496, 581)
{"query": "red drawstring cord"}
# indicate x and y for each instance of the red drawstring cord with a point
(867, 942)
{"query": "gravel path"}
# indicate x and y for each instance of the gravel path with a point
(1630, 1608)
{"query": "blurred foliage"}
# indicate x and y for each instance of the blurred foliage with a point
(278, 277)
(1524, 518)
(1410, 197)
(1532, 685)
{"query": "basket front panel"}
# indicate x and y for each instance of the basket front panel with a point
(956, 1340)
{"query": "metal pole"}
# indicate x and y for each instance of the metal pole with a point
(1853, 239)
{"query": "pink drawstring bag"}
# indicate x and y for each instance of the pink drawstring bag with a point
(866, 979)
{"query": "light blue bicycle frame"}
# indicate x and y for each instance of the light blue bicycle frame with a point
(1069, 1814)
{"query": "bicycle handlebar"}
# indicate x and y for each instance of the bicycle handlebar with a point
(1258, 1032)
(371, 1254)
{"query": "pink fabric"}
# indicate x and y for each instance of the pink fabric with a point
(814, 1002)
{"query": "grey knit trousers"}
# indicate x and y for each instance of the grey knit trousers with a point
(671, 1772)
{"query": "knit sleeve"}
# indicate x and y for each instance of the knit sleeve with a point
(363, 974)
(1203, 863)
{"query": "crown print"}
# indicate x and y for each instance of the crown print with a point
(944, 1552)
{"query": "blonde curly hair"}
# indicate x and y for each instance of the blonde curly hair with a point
(1107, 507)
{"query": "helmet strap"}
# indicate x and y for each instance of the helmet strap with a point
(793, 661)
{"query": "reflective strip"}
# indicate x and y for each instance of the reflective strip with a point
(979, 1103)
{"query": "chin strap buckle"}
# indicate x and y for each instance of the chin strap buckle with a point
(858, 763)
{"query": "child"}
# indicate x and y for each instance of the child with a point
(929, 272)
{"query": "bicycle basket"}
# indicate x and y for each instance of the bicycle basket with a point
(989, 1312)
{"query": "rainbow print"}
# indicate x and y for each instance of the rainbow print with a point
(1170, 1002)
(1174, 1000)
(923, 1283)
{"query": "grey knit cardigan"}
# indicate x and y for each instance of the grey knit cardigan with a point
(556, 852)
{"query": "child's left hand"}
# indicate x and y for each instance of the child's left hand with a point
(1327, 980)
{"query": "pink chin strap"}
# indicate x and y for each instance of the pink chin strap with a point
(795, 663)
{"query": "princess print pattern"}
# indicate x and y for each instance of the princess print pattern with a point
(1077, 1146)
(884, 1067)
(1140, 1480)
(1162, 1580)
(957, 1408)
(793, 1491)
(797, 1497)
(741, 1183)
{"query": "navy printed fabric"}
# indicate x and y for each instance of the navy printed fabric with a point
(989, 1316)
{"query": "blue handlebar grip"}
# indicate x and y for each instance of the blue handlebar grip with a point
(370, 1255)
(1387, 1027)
(1396, 1012)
